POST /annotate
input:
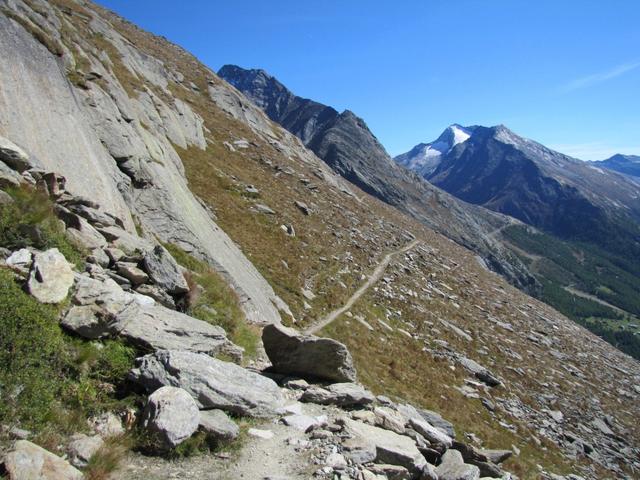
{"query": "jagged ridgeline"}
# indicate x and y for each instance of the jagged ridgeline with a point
(157, 231)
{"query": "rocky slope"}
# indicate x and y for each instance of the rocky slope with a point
(346, 144)
(436, 329)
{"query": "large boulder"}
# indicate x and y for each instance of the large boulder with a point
(27, 461)
(368, 443)
(306, 355)
(51, 276)
(164, 270)
(172, 415)
(211, 382)
(452, 467)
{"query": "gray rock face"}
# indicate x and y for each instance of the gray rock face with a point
(452, 467)
(28, 461)
(82, 447)
(308, 356)
(211, 382)
(218, 424)
(389, 447)
(172, 414)
(164, 271)
(92, 136)
(51, 276)
(341, 394)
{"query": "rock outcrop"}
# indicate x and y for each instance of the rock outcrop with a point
(211, 382)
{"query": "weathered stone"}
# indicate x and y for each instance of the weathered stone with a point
(341, 394)
(99, 257)
(27, 461)
(429, 472)
(107, 425)
(481, 373)
(431, 433)
(20, 259)
(8, 177)
(14, 156)
(127, 242)
(304, 423)
(496, 456)
(164, 271)
(389, 447)
(452, 467)
(85, 236)
(51, 276)
(131, 272)
(82, 447)
(391, 472)
(88, 321)
(258, 433)
(389, 419)
(308, 356)
(218, 424)
(433, 418)
(172, 414)
(157, 294)
(213, 383)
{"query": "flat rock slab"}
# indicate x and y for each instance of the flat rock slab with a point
(104, 309)
(51, 276)
(211, 382)
(308, 356)
(340, 394)
(387, 446)
(27, 461)
(172, 414)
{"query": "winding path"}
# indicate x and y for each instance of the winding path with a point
(373, 278)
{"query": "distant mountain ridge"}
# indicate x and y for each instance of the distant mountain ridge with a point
(516, 176)
(627, 164)
(346, 144)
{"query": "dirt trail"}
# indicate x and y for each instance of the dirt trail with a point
(373, 278)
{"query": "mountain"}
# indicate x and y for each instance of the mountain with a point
(521, 178)
(627, 164)
(346, 144)
(153, 220)
(424, 158)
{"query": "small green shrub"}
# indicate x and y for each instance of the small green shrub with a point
(215, 302)
(31, 222)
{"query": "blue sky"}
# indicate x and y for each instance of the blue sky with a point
(564, 72)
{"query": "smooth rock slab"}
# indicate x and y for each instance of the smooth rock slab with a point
(51, 276)
(211, 382)
(172, 414)
(28, 461)
(306, 355)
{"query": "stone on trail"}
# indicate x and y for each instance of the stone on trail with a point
(340, 394)
(28, 461)
(172, 414)
(368, 443)
(217, 424)
(211, 382)
(51, 276)
(306, 355)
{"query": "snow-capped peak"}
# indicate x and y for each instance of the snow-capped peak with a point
(425, 157)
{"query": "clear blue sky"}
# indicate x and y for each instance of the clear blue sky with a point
(562, 72)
